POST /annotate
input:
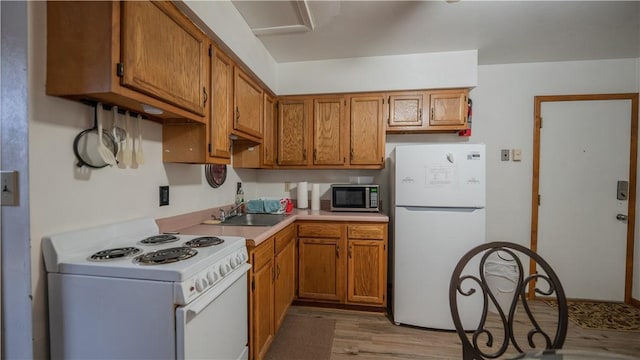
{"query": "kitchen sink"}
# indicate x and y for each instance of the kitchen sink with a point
(254, 220)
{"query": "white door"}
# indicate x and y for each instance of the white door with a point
(584, 152)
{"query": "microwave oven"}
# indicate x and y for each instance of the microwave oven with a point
(355, 197)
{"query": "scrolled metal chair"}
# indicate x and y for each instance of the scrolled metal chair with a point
(485, 342)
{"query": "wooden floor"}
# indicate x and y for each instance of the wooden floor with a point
(365, 335)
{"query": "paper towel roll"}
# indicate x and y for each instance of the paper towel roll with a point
(303, 195)
(315, 197)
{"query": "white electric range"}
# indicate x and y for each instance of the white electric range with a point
(123, 291)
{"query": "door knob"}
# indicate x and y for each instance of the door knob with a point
(621, 217)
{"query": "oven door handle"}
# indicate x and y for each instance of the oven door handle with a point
(209, 296)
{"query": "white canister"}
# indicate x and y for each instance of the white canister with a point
(315, 197)
(303, 195)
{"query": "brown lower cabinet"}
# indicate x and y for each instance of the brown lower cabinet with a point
(272, 288)
(343, 263)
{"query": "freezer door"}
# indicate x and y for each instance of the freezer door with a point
(440, 175)
(428, 243)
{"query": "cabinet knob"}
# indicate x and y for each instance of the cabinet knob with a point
(206, 96)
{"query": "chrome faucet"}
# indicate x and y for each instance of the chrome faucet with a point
(234, 211)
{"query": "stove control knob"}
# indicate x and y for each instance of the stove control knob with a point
(201, 284)
(234, 262)
(212, 277)
(223, 269)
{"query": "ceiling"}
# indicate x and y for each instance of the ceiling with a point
(502, 31)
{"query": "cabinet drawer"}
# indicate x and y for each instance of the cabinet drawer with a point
(366, 231)
(321, 230)
(262, 254)
(284, 237)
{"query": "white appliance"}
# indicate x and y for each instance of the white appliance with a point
(123, 291)
(438, 212)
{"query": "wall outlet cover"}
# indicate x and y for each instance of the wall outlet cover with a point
(164, 195)
(504, 154)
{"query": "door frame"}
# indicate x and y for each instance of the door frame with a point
(633, 159)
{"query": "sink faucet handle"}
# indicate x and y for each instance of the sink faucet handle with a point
(223, 215)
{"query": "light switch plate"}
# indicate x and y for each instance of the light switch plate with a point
(9, 188)
(516, 154)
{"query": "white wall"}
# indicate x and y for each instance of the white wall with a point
(398, 72)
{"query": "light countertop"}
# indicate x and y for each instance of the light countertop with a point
(191, 224)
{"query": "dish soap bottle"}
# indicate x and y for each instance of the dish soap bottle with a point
(240, 197)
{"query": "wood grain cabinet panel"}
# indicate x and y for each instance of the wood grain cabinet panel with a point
(272, 290)
(293, 127)
(247, 120)
(366, 269)
(285, 276)
(328, 132)
(160, 52)
(406, 112)
(366, 131)
(269, 145)
(262, 328)
(321, 269)
(330, 273)
(448, 109)
(128, 53)
(222, 104)
(367, 264)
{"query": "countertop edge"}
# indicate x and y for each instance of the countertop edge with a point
(258, 234)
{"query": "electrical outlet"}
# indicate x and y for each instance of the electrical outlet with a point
(504, 154)
(9, 188)
(164, 195)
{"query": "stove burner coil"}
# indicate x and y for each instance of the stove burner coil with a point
(166, 256)
(204, 242)
(116, 253)
(159, 239)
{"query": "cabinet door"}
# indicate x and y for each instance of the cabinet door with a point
(320, 272)
(262, 294)
(248, 105)
(448, 109)
(405, 112)
(292, 132)
(164, 55)
(285, 281)
(222, 104)
(328, 135)
(366, 132)
(269, 133)
(366, 271)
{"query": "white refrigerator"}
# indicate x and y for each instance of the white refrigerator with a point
(438, 211)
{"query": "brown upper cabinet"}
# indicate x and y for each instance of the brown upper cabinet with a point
(293, 131)
(331, 132)
(128, 53)
(209, 143)
(247, 121)
(221, 105)
(427, 111)
(269, 131)
(328, 131)
(366, 131)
